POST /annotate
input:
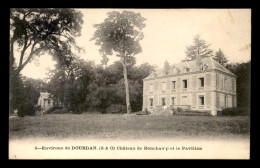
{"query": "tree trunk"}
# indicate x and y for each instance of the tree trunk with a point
(128, 106)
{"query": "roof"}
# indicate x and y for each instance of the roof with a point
(45, 94)
(207, 63)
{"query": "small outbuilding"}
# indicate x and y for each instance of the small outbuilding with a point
(45, 101)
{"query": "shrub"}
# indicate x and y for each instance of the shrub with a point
(50, 110)
(57, 110)
(60, 111)
(145, 112)
(179, 110)
(235, 111)
(116, 108)
(27, 108)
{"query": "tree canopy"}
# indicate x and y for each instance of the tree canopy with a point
(39, 30)
(120, 33)
(220, 57)
(199, 47)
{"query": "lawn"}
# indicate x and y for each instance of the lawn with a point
(118, 126)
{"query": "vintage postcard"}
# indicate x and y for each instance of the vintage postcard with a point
(129, 83)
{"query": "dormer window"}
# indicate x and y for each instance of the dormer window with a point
(203, 66)
(186, 69)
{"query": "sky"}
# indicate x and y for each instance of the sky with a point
(166, 35)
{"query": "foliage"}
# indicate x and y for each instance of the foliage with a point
(57, 110)
(235, 111)
(24, 96)
(179, 110)
(220, 57)
(39, 30)
(199, 47)
(243, 82)
(120, 33)
(145, 112)
(116, 108)
(68, 84)
(96, 88)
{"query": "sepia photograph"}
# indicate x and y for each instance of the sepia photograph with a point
(115, 83)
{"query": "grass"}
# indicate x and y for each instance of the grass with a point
(118, 126)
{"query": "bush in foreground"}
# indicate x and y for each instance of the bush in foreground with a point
(116, 108)
(235, 111)
(57, 110)
(27, 108)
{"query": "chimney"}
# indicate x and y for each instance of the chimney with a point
(166, 67)
(198, 59)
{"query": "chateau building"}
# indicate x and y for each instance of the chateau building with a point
(201, 85)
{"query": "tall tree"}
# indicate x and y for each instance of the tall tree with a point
(121, 33)
(220, 57)
(199, 47)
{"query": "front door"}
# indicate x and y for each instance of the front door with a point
(45, 102)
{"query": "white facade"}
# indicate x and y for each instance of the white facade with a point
(45, 101)
(202, 85)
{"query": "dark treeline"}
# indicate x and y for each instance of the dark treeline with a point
(84, 86)
(243, 72)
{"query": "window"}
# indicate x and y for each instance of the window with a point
(173, 85)
(201, 82)
(225, 83)
(173, 101)
(49, 101)
(184, 100)
(151, 87)
(151, 102)
(163, 101)
(184, 83)
(163, 86)
(201, 100)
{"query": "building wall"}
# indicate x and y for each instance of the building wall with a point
(218, 88)
(226, 91)
(44, 97)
